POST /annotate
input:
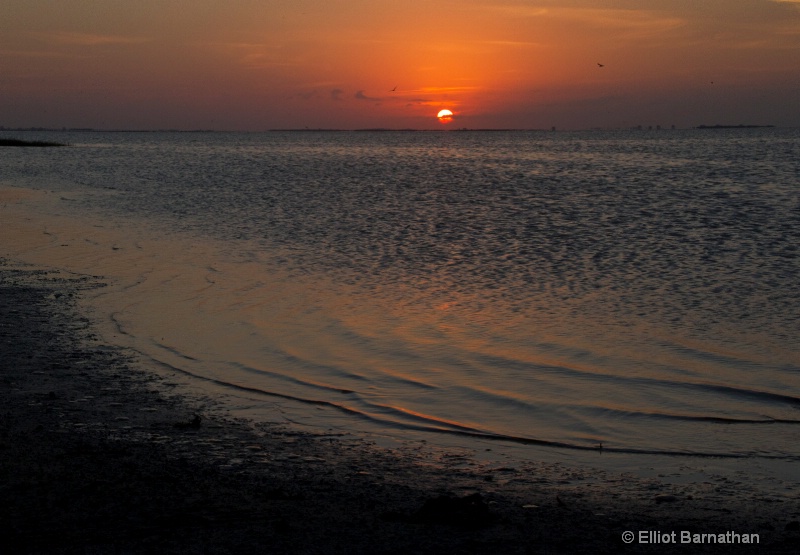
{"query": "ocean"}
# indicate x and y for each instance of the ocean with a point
(634, 292)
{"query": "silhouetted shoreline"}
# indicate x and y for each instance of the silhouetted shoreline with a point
(18, 142)
(102, 456)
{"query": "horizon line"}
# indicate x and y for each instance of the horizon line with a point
(391, 129)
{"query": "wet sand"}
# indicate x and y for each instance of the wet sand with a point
(100, 454)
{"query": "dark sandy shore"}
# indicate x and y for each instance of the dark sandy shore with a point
(100, 455)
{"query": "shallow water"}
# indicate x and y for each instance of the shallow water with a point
(632, 290)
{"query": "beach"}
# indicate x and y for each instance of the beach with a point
(102, 453)
(487, 277)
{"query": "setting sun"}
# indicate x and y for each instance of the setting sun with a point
(445, 116)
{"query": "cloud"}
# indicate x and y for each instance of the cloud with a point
(793, 3)
(634, 22)
(627, 20)
(336, 94)
(86, 39)
(34, 54)
(512, 43)
(441, 90)
(518, 11)
(255, 55)
(361, 96)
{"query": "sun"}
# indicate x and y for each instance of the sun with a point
(445, 116)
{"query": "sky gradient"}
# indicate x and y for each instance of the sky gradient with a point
(267, 64)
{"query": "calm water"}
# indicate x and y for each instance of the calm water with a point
(639, 290)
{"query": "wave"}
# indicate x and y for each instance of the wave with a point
(431, 424)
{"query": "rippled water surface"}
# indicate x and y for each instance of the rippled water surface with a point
(631, 289)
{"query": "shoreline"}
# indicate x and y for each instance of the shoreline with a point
(101, 455)
(226, 319)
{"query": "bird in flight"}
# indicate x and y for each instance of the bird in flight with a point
(394, 89)
(600, 65)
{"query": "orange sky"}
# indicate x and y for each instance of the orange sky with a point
(265, 64)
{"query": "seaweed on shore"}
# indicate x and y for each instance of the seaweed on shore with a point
(19, 142)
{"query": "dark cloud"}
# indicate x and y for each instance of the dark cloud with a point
(361, 96)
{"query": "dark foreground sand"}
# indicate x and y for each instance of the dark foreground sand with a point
(99, 455)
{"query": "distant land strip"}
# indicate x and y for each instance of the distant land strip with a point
(18, 142)
(740, 126)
